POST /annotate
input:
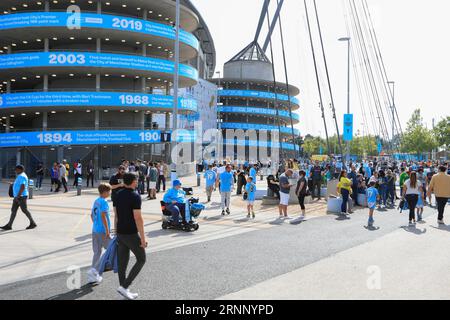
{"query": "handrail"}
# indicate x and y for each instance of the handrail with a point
(134, 54)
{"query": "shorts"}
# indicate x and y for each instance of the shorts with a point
(250, 203)
(372, 205)
(152, 185)
(284, 199)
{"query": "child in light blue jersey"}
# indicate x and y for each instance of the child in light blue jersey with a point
(101, 230)
(250, 189)
(372, 197)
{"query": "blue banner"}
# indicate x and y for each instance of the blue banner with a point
(95, 60)
(251, 126)
(348, 127)
(257, 94)
(60, 138)
(94, 99)
(259, 111)
(379, 146)
(91, 20)
(72, 138)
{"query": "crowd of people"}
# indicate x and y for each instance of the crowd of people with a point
(376, 182)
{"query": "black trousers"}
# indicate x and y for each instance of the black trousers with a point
(125, 244)
(22, 204)
(316, 185)
(64, 184)
(158, 183)
(412, 200)
(441, 203)
(75, 182)
(90, 177)
(301, 201)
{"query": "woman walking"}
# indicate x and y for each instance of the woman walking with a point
(344, 188)
(411, 190)
(301, 192)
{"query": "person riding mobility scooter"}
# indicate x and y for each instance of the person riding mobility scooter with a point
(178, 212)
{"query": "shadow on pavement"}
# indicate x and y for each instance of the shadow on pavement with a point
(442, 228)
(74, 294)
(5, 232)
(413, 229)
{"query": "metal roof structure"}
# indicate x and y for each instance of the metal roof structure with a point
(252, 52)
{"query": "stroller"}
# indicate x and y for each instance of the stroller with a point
(193, 210)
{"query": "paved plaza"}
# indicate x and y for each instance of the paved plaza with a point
(324, 257)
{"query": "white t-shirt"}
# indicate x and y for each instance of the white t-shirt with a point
(410, 190)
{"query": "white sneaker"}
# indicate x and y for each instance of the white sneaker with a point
(99, 279)
(127, 294)
(302, 217)
(92, 275)
(441, 222)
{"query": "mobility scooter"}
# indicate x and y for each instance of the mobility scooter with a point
(195, 208)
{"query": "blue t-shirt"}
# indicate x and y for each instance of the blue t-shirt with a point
(210, 177)
(21, 179)
(252, 174)
(250, 187)
(100, 206)
(372, 194)
(226, 181)
(174, 195)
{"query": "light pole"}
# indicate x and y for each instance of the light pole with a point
(218, 100)
(348, 91)
(175, 88)
(393, 111)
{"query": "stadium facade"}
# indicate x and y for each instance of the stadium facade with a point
(92, 79)
(250, 99)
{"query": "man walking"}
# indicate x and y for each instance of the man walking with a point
(161, 177)
(90, 174)
(20, 194)
(129, 226)
(440, 186)
(62, 177)
(316, 175)
(285, 191)
(210, 177)
(226, 181)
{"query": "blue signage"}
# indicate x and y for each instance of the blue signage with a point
(69, 138)
(259, 111)
(95, 60)
(379, 146)
(58, 138)
(94, 99)
(348, 127)
(91, 20)
(251, 126)
(256, 94)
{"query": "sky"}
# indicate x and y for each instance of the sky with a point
(414, 41)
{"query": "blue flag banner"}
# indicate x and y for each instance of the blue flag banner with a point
(348, 127)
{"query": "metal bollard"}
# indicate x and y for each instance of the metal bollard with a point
(80, 181)
(198, 180)
(30, 189)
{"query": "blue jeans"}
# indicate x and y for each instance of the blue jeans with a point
(177, 209)
(383, 194)
(39, 181)
(345, 194)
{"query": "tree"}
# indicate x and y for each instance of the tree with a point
(312, 145)
(418, 139)
(442, 133)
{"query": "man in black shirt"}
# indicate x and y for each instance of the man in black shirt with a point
(129, 226)
(116, 182)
